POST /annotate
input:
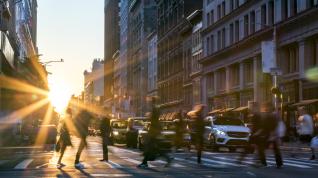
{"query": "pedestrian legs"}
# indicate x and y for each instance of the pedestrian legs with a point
(63, 148)
(278, 156)
(105, 150)
(261, 153)
(80, 149)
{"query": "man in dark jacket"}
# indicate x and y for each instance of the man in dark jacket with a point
(81, 123)
(105, 132)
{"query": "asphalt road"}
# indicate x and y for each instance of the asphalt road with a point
(123, 163)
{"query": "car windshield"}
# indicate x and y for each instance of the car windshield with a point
(168, 126)
(139, 123)
(227, 121)
(119, 125)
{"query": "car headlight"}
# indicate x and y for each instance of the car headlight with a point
(220, 132)
(115, 132)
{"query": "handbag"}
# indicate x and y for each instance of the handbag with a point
(314, 142)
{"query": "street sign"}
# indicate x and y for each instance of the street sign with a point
(268, 56)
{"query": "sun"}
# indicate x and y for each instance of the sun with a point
(59, 96)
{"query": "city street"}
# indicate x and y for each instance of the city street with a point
(123, 163)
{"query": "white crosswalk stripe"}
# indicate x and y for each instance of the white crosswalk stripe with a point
(24, 164)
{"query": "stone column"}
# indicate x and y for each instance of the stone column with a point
(301, 66)
(241, 76)
(256, 79)
(227, 79)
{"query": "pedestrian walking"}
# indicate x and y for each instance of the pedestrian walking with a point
(64, 139)
(305, 128)
(198, 129)
(152, 143)
(105, 133)
(179, 129)
(268, 135)
(81, 122)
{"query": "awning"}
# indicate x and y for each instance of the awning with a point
(162, 116)
(171, 116)
(240, 109)
(227, 110)
(215, 111)
(305, 102)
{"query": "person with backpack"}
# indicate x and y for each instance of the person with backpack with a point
(65, 139)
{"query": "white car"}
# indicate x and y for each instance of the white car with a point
(228, 132)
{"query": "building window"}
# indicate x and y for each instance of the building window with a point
(313, 57)
(208, 19)
(237, 30)
(234, 75)
(263, 16)
(231, 5)
(219, 40)
(223, 8)
(248, 72)
(212, 43)
(208, 45)
(252, 22)
(284, 9)
(219, 12)
(290, 64)
(293, 7)
(221, 80)
(246, 25)
(223, 38)
(237, 3)
(271, 12)
(212, 17)
(210, 84)
(231, 33)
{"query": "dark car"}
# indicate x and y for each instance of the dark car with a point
(49, 136)
(135, 125)
(118, 131)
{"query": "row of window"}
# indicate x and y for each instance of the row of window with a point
(170, 91)
(234, 77)
(211, 17)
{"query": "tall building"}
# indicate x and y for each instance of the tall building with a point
(111, 35)
(94, 83)
(239, 62)
(142, 21)
(171, 17)
(124, 109)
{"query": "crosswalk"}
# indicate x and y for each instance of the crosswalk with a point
(122, 158)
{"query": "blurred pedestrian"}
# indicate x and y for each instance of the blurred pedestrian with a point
(268, 135)
(198, 129)
(152, 143)
(255, 121)
(64, 139)
(179, 129)
(81, 122)
(305, 128)
(105, 133)
(131, 135)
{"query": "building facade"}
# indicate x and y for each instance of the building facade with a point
(233, 62)
(171, 17)
(111, 35)
(142, 21)
(152, 65)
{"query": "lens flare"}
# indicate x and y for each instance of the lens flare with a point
(59, 96)
(312, 74)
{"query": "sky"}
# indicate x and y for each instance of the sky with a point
(71, 30)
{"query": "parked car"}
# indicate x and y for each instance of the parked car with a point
(118, 131)
(135, 124)
(228, 132)
(48, 142)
